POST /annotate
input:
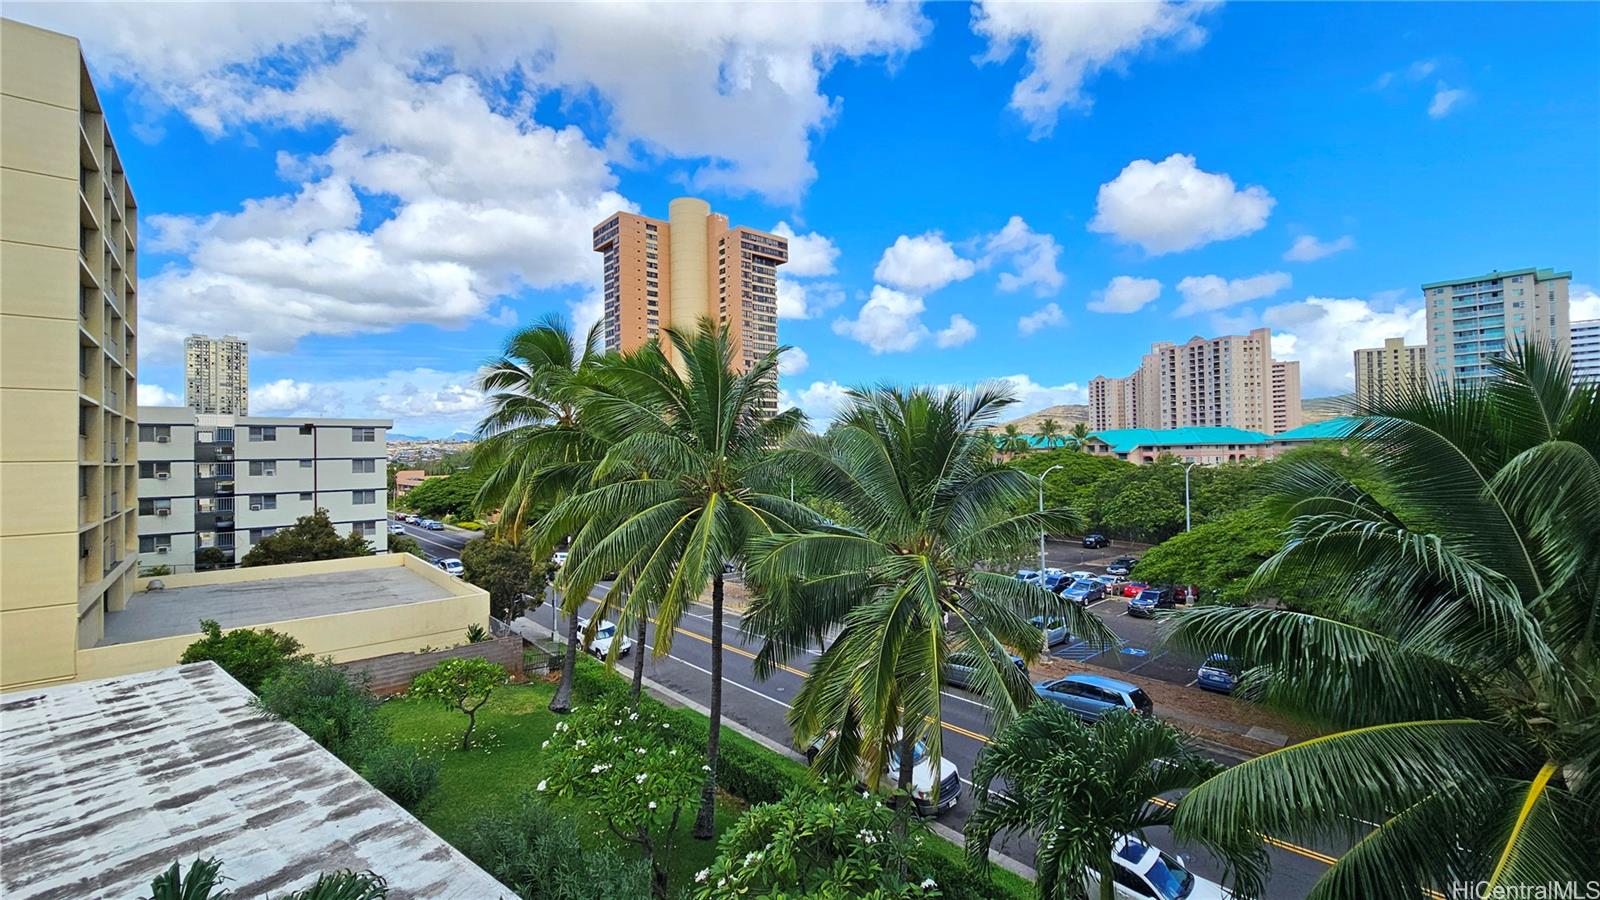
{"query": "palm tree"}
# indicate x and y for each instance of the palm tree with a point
(912, 469)
(534, 446)
(1458, 654)
(1079, 435)
(1050, 430)
(683, 486)
(1077, 788)
(1013, 440)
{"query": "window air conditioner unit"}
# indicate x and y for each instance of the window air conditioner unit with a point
(162, 549)
(255, 507)
(163, 512)
(163, 475)
(163, 439)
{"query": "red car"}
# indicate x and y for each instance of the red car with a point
(1132, 588)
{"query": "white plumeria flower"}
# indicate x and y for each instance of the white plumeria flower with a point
(639, 778)
(544, 745)
(582, 743)
(705, 768)
(633, 717)
(542, 785)
(929, 883)
(652, 804)
(702, 875)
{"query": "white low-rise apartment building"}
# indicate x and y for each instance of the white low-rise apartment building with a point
(212, 486)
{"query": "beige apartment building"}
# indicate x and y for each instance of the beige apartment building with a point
(216, 375)
(68, 307)
(1388, 370)
(1223, 382)
(1472, 320)
(670, 273)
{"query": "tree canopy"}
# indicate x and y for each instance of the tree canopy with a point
(452, 495)
(310, 538)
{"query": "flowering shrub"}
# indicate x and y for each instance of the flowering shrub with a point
(828, 844)
(625, 767)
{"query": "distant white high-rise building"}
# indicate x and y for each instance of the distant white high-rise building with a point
(1230, 381)
(216, 375)
(1586, 351)
(1473, 320)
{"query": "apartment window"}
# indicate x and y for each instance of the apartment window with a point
(361, 498)
(365, 529)
(155, 470)
(306, 463)
(263, 501)
(363, 466)
(151, 507)
(259, 433)
(363, 435)
(263, 467)
(257, 535)
(155, 433)
(305, 496)
(154, 543)
(307, 429)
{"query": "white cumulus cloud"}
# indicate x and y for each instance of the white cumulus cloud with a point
(922, 264)
(156, 395)
(1032, 256)
(1126, 294)
(1446, 100)
(1045, 316)
(1307, 247)
(960, 331)
(889, 322)
(1173, 205)
(820, 401)
(1208, 293)
(804, 300)
(809, 254)
(1582, 303)
(1033, 396)
(420, 401)
(1067, 43)
(793, 361)
(1323, 333)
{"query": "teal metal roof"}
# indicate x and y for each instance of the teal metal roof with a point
(1328, 430)
(1538, 275)
(1126, 440)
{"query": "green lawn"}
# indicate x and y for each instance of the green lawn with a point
(504, 762)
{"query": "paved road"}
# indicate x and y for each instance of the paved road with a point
(440, 544)
(762, 705)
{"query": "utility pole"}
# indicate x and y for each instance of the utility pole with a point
(1188, 520)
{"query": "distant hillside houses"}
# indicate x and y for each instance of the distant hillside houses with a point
(1207, 446)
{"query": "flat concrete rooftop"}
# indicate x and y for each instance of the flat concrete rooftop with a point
(178, 610)
(107, 782)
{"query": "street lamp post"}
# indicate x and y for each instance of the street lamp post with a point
(1041, 526)
(1187, 519)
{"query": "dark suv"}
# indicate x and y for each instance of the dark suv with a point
(1149, 600)
(1095, 541)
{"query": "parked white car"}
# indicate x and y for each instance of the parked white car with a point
(1143, 871)
(396, 528)
(600, 646)
(452, 566)
(559, 558)
(922, 777)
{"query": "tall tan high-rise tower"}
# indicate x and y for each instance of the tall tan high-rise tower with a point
(1229, 381)
(216, 375)
(671, 273)
(1389, 370)
(68, 304)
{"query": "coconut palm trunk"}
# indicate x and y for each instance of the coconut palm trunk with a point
(638, 658)
(562, 701)
(705, 821)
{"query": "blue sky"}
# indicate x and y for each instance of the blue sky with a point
(376, 195)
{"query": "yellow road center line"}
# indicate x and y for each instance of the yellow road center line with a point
(1306, 852)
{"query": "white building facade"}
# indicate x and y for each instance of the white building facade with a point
(1586, 351)
(1473, 320)
(213, 486)
(216, 375)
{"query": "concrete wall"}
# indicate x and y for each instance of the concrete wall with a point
(67, 359)
(361, 634)
(392, 673)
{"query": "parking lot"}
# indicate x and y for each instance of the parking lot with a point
(1139, 650)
